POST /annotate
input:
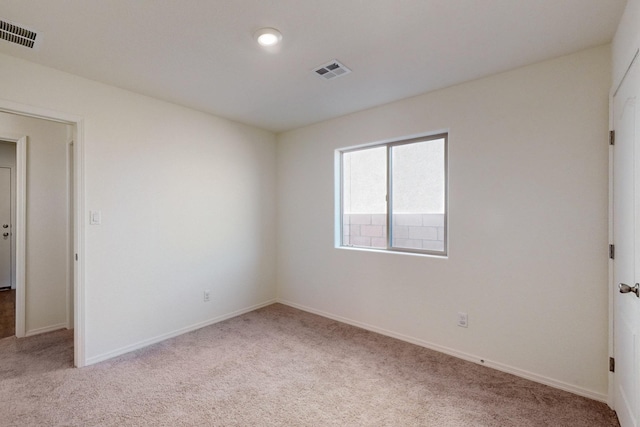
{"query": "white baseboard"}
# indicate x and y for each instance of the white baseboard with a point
(461, 355)
(159, 338)
(46, 329)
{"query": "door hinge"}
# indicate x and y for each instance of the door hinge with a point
(612, 364)
(612, 251)
(76, 257)
(612, 137)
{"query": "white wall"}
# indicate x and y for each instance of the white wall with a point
(626, 41)
(528, 168)
(47, 254)
(8, 160)
(187, 202)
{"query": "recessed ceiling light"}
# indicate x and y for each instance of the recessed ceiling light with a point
(268, 37)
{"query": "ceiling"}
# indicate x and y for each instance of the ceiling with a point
(201, 53)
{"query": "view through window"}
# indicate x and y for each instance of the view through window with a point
(393, 196)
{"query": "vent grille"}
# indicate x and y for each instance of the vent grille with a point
(17, 34)
(331, 70)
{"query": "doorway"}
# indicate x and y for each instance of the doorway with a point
(42, 303)
(7, 239)
(66, 256)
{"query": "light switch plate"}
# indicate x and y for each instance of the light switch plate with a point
(95, 217)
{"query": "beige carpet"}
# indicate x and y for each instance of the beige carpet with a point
(274, 367)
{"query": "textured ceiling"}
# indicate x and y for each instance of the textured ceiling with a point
(201, 54)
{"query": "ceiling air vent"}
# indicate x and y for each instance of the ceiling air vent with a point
(331, 70)
(17, 34)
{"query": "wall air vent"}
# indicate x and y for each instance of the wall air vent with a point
(331, 70)
(18, 34)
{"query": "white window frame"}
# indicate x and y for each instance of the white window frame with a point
(339, 235)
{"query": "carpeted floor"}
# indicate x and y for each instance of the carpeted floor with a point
(276, 366)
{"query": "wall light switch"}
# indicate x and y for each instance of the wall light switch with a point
(95, 217)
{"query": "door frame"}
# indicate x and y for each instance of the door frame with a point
(610, 345)
(77, 124)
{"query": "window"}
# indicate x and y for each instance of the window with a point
(393, 196)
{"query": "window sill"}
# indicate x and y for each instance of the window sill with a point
(385, 251)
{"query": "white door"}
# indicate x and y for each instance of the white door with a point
(626, 214)
(5, 227)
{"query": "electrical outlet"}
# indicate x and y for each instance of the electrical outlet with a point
(207, 296)
(463, 320)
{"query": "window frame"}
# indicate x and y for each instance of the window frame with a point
(389, 196)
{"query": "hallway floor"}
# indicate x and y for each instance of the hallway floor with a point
(7, 313)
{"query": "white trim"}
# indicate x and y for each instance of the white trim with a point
(610, 290)
(21, 235)
(37, 112)
(461, 355)
(78, 235)
(78, 123)
(70, 244)
(46, 329)
(610, 273)
(163, 337)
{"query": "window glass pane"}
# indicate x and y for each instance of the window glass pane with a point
(364, 206)
(418, 195)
